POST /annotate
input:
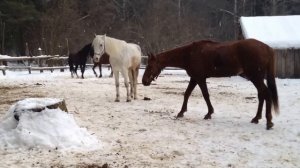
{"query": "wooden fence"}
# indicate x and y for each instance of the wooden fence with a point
(28, 66)
(288, 63)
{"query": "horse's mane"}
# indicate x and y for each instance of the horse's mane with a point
(85, 50)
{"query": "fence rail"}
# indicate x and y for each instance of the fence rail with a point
(53, 63)
(40, 61)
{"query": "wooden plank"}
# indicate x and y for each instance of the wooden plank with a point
(289, 64)
(297, 63)
(18, 67)
(280, 63)
(24, 58)
(49, 68)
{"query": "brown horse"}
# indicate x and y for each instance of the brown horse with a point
(250, 58)
(104, 60)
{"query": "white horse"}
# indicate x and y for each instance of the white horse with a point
(124, 57)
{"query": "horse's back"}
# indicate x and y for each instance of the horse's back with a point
(134, 54)
(254, 53)
(231, 58)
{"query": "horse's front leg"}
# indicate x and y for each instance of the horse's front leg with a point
(189, 89)
(111, 73)
(100, 70)
(117, 83)
(203, 87)
(76, 70)
(94, 70)
(72, 74)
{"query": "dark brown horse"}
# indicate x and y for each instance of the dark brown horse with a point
(80, 59)
(104, 60)
(251, 59)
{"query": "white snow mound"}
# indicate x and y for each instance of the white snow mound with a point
(50, 128)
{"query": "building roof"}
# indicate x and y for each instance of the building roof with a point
(279, 32)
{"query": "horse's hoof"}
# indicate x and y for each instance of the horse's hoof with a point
(117, 100)
(254, 120)
(128, 100)
(270, 126)
(179, 115)
(207, 116)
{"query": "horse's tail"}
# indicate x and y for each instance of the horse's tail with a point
(271, 82)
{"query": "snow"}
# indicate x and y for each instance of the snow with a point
(4, 56)
(50, 128)
(277, 31)
(145, 134)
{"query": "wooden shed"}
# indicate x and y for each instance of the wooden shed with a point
(282, 33)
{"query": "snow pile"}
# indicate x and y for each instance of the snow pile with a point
(50, 128)
(4, 56)
(276, 31)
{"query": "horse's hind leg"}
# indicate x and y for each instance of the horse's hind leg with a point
(117, 83)
(111, 73)
(82, 68)
(125, 75)
(189, 89)
(264, 94)
(261, 99)
(131, 78)
(135, 80)
(203, 87)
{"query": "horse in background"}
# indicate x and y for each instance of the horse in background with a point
(80, 59)
(104, 60)
(249, 58)
(125, 58)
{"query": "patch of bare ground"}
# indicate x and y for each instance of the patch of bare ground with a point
(82, 165)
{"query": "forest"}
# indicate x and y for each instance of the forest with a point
(63, 26)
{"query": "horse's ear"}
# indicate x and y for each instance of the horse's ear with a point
(95, 34)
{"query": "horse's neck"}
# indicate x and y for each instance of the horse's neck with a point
(113, 46)
(174, 58)
(84, 52)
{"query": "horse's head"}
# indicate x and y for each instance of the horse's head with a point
(152, 70)
(99, 47)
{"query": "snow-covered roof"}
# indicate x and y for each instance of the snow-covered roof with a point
(277, 31)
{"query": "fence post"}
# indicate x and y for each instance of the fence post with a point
(29, 69)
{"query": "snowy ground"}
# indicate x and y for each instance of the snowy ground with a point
(144, 133)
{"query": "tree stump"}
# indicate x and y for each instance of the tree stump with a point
(38, 105)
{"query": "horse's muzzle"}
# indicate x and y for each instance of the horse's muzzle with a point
(96, 60)
(146, 82)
